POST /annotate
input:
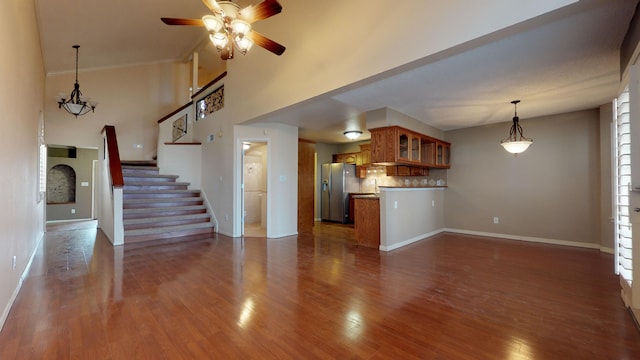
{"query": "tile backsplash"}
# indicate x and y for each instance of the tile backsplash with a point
(377, 176)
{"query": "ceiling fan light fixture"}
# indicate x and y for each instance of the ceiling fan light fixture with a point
(352, 134)
(230, 28)
(212, 23)
(516, 142)
(243, 44)
(219, 40)
(240, 27)
(229, 9)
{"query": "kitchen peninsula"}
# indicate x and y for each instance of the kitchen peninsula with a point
(406, 171)
(398, 216)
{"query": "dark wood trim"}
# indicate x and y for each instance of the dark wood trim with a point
(183, 143)
(220, 77)
(175, 112)
(115, 168)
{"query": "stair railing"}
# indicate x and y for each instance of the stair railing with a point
(111, 184)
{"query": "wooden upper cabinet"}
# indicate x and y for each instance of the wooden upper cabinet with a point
(365, 154)
(383, 148)
(414, 147)
(443, 151)
(348, 158)
(395, 145)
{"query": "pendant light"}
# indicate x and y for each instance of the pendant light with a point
(76, 104)
(516, 142)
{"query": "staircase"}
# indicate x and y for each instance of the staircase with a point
(159, 207)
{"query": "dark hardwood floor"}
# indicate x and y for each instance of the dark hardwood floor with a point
(316, 297)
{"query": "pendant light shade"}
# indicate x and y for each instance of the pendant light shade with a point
(516, 142)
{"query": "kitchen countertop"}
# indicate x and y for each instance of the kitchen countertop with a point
(367, 196)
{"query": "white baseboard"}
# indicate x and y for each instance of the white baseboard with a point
(607, 250)
(16, 291)
(526, 238)
(410, 241)
(225, 233)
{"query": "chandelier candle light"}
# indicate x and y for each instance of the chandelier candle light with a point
(76, 104)
(516, 142)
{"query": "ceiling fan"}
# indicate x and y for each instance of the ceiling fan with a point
(230, 27)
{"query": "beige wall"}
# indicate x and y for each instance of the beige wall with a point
(132, 99)
(320, 58)
(550, 192)
(21, 94)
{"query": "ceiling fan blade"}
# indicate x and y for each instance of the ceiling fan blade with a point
(213, 6)
(261, 11)
(266, 43)
(176, 21)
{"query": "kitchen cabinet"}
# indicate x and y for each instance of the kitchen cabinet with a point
(405, 170)
(367, 221)
(394, 145)
(365, 154)
(383, 145)
(408, 145)
(348, 158)
(442, 153)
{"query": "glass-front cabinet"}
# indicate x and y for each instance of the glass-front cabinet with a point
(394, 145)
(442, 153)
(403, 146)
(408, 146)
(415, 148)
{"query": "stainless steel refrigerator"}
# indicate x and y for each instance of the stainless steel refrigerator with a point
(338, 180)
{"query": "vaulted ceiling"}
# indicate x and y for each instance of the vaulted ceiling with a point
(564, 61)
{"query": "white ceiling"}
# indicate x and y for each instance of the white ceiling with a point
(563, 61)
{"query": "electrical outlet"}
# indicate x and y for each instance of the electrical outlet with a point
(73, 211)
(14, 262)
(395, 204)
(433, 203)
(226, 217)
(496, 220)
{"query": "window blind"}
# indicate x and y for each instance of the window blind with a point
(623, 184)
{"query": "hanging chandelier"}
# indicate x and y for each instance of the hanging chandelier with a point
(76, 104)
(516, 142)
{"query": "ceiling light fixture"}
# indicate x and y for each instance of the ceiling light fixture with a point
(76, 104)
(230, 27)
(352, 134)
(516, 142)
(226, 31)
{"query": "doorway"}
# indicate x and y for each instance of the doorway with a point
(254, 185)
